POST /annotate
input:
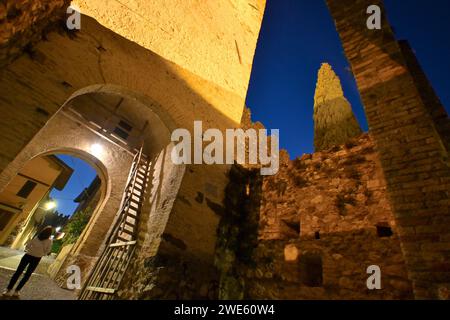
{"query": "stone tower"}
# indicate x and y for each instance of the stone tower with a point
(334, 121)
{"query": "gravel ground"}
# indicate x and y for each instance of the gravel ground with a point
(39, 287)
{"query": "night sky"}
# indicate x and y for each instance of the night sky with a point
(298, 35)
(81, 178)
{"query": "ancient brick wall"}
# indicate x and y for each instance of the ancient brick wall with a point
(430, 99)
(331, 206)
(412, 152)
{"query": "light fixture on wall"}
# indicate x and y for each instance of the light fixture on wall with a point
(96, 149)
(49, 205)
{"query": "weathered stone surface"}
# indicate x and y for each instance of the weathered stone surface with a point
(24, 22)
(332, 209)
(319, 221)
(408, 125)
(334, 191)
(215, 40)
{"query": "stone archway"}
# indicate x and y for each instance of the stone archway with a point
(98, 60)
(94, 206)
(74, 130)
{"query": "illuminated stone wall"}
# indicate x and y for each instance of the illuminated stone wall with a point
(408, 127)
(215, 40)
(312, 230)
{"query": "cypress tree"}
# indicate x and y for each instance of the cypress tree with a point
(334, 121)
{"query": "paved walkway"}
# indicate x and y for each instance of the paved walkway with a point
(39, 287)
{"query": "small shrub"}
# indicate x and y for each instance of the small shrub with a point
(76, 225)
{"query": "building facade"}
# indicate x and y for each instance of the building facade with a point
(23, 199)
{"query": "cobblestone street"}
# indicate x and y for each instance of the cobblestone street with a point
(39, 287)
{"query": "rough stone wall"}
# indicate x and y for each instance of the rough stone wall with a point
(412, 152)
(331, 204)
(215, 40)
(182, 265)
(334, 191)
(25, 22)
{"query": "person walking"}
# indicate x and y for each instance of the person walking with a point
(35, 249)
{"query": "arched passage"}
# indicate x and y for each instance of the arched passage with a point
(112, 65)
(105, 126)
(35, 193)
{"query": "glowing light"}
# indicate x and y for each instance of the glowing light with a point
(96, 149)
(60, 236)
(50, 205)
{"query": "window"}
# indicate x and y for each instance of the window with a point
(125, 126)
(27, 188)
(121, 133)
(384, 231)
(317, 235)
(311, 270)
(123, 129)
(293, 225)
(5, 217)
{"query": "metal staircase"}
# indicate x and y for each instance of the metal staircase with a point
(105, 279)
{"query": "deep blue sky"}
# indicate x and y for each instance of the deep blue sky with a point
(81, 178)
(298, 35)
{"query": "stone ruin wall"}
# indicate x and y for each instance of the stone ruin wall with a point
(24, 22)
(331, 204)
(333, 191)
